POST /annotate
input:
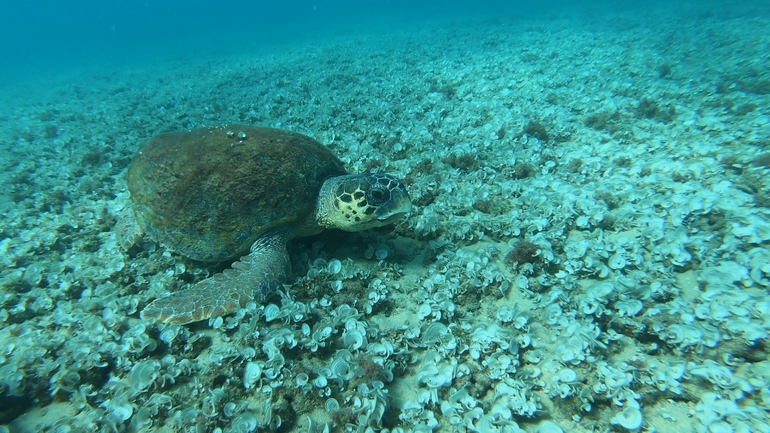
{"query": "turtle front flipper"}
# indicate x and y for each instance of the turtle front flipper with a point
(250, 279)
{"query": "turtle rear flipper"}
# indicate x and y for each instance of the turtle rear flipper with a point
(250, 280)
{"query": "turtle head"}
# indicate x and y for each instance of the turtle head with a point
(361, 201)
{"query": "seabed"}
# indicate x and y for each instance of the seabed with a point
(589, 248)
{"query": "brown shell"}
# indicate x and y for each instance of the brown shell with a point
(209, 193)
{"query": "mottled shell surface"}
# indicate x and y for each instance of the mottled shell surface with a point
(209, 193)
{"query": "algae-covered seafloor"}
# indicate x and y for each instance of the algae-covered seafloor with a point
(589, 248)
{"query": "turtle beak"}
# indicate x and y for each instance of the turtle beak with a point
(396, 208)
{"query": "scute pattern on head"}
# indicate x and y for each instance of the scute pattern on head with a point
(362, 197)
(209, 193)
(365, 200)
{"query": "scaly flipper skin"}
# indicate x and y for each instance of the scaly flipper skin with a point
(250, 280)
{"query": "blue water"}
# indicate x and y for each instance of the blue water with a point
(43, 36)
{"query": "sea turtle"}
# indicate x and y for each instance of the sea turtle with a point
(215, 194)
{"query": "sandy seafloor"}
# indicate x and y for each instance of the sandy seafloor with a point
(588, 249)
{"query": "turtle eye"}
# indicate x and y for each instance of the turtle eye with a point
(377, 196)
